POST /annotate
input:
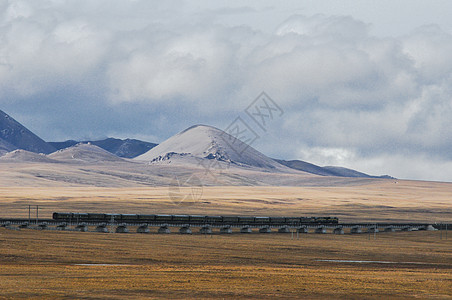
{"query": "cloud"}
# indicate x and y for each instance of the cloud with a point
(146, 68)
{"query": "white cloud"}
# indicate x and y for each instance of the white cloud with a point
(349, 95)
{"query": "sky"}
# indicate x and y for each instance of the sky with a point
(362, 84)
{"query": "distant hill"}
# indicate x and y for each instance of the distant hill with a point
(325, 171)
(20, 155)
(12, 133)
(127, 148)
(85, 153)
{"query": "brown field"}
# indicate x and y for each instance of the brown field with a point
(384, 200)
(49, 264)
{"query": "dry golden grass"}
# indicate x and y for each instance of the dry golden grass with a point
(46, 264)
(383, 200)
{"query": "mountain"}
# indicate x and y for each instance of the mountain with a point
(65, 144)
(20, 155)
(84, 153)
(18, 136)
(326, 171)
(209, 143)
(128, 148)
(5, 147)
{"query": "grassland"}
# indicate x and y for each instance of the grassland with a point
(385, 200)
(68, 265)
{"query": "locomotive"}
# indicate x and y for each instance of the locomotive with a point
(193, 219)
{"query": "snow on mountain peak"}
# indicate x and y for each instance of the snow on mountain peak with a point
(208, 142)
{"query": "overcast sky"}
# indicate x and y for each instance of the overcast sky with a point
(363, 84)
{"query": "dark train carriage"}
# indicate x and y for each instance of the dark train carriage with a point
(96, 217)
(307, 220)
(163, 218)
(129, 217)
(277, 220)
(246, 220)
(332, 220)
(112, 217)
(181, 218)
(292, 220)
(230, 219)
(146, 218)
(80, 216)
(214, 219)
(61, 216)
(262, 220)
(197, 219)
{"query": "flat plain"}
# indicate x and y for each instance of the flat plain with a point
(75, 265)
(64, 264)
(377, 200)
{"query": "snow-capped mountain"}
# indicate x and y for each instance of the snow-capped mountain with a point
(19, 137)
(207, 142)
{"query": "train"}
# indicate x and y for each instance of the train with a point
(192, 219)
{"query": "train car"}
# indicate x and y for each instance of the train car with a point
(214, 219)
(198, 219)
(262, 220)
(332, 220)
(61, 216)
(163, 218)
(246, 220)
(146, 218)
(96, 217)
(80, 216)
(181, 218)
(112, 217)
(277, 220)
(307, 220)
(230, 219)
(292, 220)
(129, 217)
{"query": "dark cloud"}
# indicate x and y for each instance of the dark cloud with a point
(83, 69)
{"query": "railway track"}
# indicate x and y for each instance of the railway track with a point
(102, 226)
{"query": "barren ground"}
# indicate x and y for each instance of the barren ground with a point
(68, 265)
(387, 200)
(52, 264)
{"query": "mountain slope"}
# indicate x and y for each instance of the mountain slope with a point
(20, 137)
(325, 171)
(207, 142)
(20, 155)
(128, 148)
(63, 145)
(85, 153)
(5, 147)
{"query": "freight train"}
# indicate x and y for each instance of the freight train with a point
(193, 219)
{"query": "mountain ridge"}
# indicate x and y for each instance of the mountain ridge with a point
(327, 170)
(20, 137)
(201, 142)
(125, 148)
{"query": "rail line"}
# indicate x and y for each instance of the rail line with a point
(205, 228)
